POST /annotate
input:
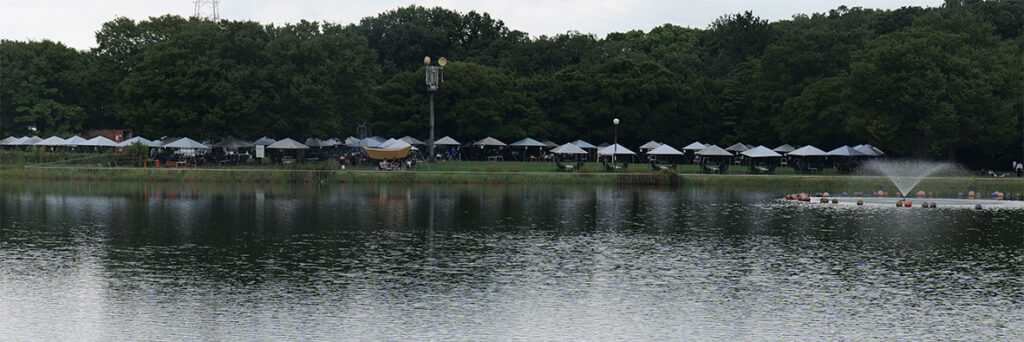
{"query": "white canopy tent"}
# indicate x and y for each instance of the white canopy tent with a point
(760, 152)
(75, 141)
(186, 143)
(52, 141)
(665, 153)
(313, 142)
(846, 151)
(616, 149)
(100, 141)
(650, 145)
(845, 158)
(713, 151)
(288, 144)
(568, 148)
(664, 150)
(32, 141)
(583, 144)
(807, 158)
(737, 148)
(808, 151)
(868, 150)
(527, 142)
(762, 160)
(447, 141)
(369, 142)
(330, 142)
(413, 141)
(139, 139)
(488, 141)
(15, 141)
(396, 143)
(784, 148)
(695, 146)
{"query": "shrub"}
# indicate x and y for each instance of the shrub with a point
(137, 152)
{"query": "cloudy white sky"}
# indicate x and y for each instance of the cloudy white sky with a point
(75, 22)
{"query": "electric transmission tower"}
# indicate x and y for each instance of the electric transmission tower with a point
(207, 9)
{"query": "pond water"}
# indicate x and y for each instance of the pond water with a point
(96, 261)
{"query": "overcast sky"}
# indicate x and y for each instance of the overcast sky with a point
(74, 22)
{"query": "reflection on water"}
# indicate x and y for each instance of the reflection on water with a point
(185, 262)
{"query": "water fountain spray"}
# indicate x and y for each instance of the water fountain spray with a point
(906, 174)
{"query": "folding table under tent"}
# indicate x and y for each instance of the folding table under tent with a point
(714, 159)
(845, 158)
(807, 159)
(762, 160)
(526, 144)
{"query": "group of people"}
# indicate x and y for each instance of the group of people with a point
(395, 164)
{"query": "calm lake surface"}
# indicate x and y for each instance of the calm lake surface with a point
(95, 261)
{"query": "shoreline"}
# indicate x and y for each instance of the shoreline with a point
(802, 183)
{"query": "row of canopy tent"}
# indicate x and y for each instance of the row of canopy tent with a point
(652, 148)
(181, 143)
(55, 141)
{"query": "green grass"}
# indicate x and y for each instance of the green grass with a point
(19, 158)
(515, 166)
(484, 166)
(97, 167)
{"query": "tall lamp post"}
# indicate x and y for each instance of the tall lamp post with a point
(615, 147)
(435, 75)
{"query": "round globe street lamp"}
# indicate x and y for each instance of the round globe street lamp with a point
(435, 75)
(615, 141)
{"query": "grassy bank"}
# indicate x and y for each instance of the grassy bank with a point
(835, 184)
(259, 175)
(111, 167)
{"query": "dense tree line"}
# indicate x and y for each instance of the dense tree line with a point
(938, 82)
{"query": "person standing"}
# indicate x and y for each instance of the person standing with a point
(1019, 169)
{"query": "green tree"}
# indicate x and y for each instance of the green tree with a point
(474, 102)
(207, 80)
(43, 88)
(946, 87)
(732, 39)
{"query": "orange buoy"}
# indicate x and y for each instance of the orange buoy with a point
(899, 204)
(824, 200)
(880, 193)
(908, 204)
(825, 194)
(920, 194)
(860, 202)
(970, 195)
(805, 197)
(835, 200)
